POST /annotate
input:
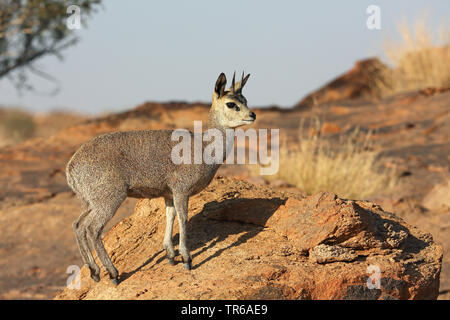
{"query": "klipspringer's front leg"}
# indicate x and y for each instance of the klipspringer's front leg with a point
(170, 217)
(181, 207)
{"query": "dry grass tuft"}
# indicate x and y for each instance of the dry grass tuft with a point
(420, 59)
(349, 167)
(15, 126)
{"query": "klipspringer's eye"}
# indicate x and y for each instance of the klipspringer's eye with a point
(233, 105)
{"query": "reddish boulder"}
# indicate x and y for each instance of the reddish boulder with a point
(356, 83)
(251, 242)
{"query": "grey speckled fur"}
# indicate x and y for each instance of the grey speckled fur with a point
(109, 168)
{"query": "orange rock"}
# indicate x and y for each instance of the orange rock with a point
(329, 127)
(250, 242)
(356, 83)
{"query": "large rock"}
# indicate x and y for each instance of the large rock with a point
(356, 83)
(250, 242)
(438, 198)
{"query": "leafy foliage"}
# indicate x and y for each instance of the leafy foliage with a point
(31, 29)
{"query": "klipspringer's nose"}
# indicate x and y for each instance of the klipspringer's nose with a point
(252, 115)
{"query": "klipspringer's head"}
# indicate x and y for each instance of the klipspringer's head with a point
(229, 107)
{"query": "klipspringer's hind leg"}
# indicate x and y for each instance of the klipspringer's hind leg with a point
(167, 244)
(99, 217)
(79, 228)
(97, 244)
(181, 206)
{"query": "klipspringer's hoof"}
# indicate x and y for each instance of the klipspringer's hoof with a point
(115, 281)
(95, 275)
(187, 266)
(171, 261)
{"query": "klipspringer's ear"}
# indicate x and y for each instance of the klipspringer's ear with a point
(220, 85)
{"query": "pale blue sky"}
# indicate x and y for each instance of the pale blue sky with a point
(134, 51)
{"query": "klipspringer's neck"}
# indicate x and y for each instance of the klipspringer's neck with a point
(213, 122)
(227, 134)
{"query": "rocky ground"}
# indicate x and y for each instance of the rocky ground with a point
(252, 242)
(412, 129)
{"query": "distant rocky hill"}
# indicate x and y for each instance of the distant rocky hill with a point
(357, 83)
